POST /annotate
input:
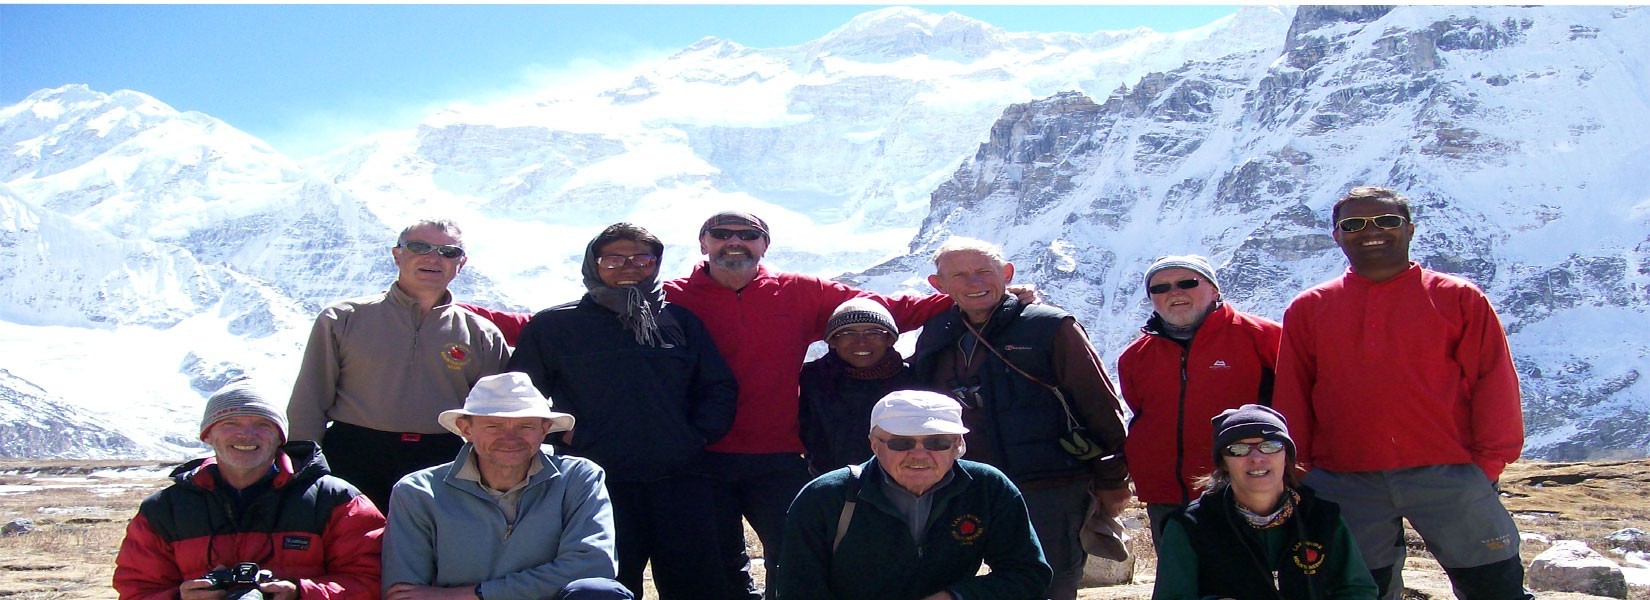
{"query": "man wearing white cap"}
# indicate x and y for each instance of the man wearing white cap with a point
(505, 519)
(259, 501)
(914, 521)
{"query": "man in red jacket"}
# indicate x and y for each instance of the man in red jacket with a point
(1196, 357)
(1402, 398)
(254, 501)
(762, 322)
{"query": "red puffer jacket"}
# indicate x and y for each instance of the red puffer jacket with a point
(1173, 391)
(310, 528)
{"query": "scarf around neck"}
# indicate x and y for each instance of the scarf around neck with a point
(640, 307)
(890, 365)
(1278, 517)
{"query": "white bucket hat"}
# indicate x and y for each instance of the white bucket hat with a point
(509, 395)
(915, 412)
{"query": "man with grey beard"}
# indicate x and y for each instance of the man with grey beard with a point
(762, 322)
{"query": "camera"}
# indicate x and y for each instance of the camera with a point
(241, 576)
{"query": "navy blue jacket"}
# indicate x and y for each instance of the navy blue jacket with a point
(643, 413)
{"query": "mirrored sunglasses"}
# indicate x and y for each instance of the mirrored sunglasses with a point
(1240, 449)
(614, 261)
(1356, 224)
(749, 235)
(1163, 288)
(931, 443)
(417, 247)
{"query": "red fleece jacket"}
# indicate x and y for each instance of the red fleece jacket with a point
(1407, 372)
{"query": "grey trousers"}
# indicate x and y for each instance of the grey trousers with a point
(1455, 508)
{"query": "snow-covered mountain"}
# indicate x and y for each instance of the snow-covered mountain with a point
(1519, 133)
(162, 252)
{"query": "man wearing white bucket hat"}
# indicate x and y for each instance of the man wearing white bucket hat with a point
(505, 519)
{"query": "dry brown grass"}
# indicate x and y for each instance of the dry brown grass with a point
(78, 527)
(70, 556)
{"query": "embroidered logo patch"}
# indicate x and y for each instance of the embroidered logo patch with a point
(966, 529)
(295, 542)
(457, 355)
(1220, 364)
(1308, 556)
(1011, 347)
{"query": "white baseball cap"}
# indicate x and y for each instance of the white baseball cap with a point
(916, 412)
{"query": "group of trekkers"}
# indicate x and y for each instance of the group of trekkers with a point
(476, 453)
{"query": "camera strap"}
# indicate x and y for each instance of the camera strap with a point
(1072, 424)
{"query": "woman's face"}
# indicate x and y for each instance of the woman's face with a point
(1256, 473)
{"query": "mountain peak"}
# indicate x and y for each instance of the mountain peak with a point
(53, 104)
(901, 31)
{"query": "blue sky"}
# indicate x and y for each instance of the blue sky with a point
(305, 77)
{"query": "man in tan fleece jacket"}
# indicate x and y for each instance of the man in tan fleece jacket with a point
(380, 368)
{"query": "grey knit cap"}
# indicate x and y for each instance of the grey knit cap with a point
(238, 398)
(1250, 421)
(857, 311)
(1193, 262)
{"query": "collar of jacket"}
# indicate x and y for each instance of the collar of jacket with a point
(875, 496)
(1220, 314)
(300, 452)
(1413, 273)
(400, 297)
(548, 471)
(1007, 310)
(701, 277)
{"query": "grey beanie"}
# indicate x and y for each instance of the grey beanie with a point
(1193, 262)
(857, 311)
(1250, 421)
(238, 398)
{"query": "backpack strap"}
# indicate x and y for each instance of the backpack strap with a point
(847, 507)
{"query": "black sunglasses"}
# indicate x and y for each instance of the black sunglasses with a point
(1356, 224)
(1163, 288)
(417, 247)
(1240, 449)
(614, 261)
(906, 444)
(749, 235)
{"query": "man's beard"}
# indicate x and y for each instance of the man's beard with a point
(734, 262)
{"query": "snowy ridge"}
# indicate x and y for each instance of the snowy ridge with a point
(167, 252)
(1517, 132)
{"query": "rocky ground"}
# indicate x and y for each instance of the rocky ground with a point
(78, 512)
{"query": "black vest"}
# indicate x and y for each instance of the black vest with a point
(1231, 558)
(1023, 421)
